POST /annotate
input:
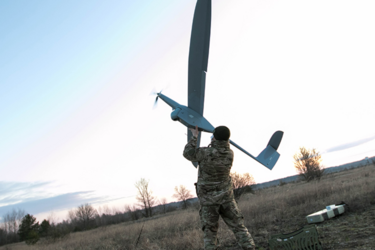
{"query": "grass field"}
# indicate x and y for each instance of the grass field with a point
(274, 210)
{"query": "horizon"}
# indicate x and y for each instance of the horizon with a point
(77, 120)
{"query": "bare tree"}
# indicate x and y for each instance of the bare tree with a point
(107, 210)
(163, 203)
(182, 194)
(100, 210)
(52, 218)
(115, 210)
(12, 220)
(241, 184)
(133, 211)
(9, 221)
(144, 196)
(308, 164)
(85, 215)
(10, 224)
(72, 216)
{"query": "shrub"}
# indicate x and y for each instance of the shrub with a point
(241, 184)
(308, 164)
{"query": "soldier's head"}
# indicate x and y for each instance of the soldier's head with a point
(221, 133)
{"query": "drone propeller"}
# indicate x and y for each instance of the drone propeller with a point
(157, 97)
(154, 92)
(156, 102)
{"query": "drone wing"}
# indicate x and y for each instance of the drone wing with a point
(198, 55)
(198, 59)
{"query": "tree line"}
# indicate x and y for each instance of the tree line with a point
(18, 225)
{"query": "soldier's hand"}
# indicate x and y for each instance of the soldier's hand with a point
(195, 131)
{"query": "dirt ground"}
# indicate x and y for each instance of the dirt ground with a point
(350, 230)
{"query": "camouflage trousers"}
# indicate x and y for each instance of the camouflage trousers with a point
(209, 217)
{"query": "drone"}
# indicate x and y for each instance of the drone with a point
(192, 115)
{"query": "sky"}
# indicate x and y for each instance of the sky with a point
(76, 105)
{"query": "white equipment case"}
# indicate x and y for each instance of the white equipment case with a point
(325, 214)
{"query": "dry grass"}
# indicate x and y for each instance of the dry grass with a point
(268, 211)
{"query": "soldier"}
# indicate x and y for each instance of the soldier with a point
(215, 189)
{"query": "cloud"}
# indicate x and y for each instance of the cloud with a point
(34, 198)
(14, 192)
(345, 146)
(59, 202)
(349, 145)
(9, 187)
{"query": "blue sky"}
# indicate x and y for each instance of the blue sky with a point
(77, 123)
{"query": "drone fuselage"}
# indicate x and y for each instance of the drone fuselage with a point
(186, 115)
(190, 119)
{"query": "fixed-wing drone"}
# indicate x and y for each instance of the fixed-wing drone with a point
(192, 115)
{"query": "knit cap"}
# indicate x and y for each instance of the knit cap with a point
(222, 133)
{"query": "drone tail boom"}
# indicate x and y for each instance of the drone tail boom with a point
(269, 156)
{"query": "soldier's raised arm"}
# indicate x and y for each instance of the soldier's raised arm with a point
(191, 152)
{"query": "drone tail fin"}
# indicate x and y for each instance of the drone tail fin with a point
(269, 156)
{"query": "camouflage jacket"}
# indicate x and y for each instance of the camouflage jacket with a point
(214, 184)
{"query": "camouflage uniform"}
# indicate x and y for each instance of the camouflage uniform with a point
(215, 192)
